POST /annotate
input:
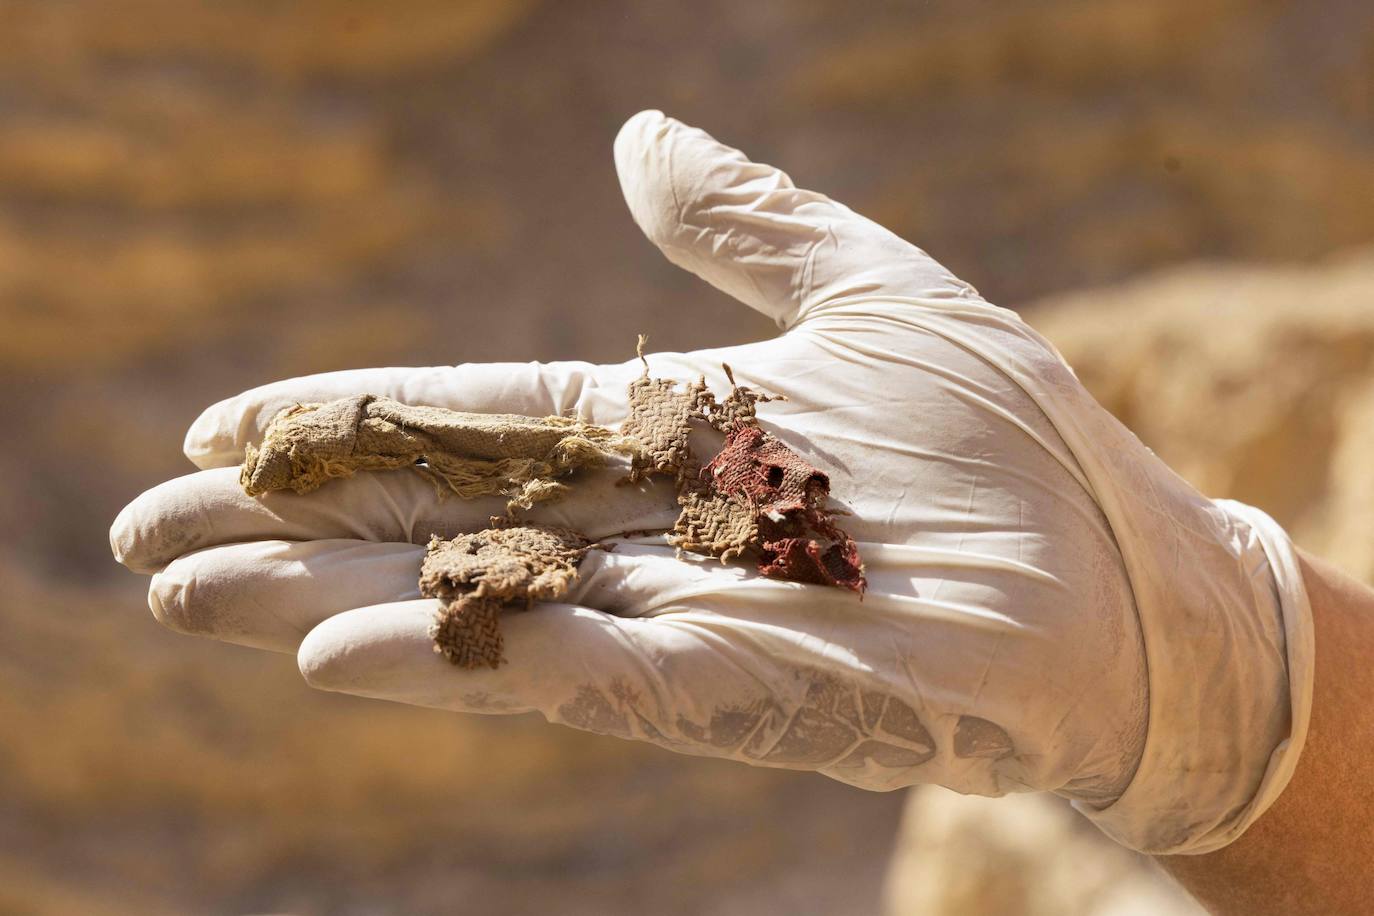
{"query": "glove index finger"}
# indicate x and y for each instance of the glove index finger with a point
(218, 436)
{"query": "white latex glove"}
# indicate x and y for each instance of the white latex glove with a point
(1049, 607)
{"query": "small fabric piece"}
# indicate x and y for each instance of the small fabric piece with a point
(755, 495)
(661, 420)
(740, 407)
(467, 454)
(477, 574)
(796, 537)
(714, 524)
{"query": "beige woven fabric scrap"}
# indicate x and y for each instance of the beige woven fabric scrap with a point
(475, 575)
(468, 454)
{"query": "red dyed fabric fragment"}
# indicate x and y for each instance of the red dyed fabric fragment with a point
(798, 539)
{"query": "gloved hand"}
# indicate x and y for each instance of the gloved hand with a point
(1049, 608)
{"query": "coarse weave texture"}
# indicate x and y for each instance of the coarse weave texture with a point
(468, 454)
(755, 494)
(739, 409)
(713, 524)
(661, 420)
(477, 574)
(758, 493)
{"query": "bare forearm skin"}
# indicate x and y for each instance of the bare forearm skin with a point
(1313, 851)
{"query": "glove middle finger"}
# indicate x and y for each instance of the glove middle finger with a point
(210, 508)
(270, 594)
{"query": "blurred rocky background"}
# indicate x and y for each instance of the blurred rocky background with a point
(200, 195)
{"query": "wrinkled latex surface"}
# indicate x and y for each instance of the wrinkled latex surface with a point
(1048, 606)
